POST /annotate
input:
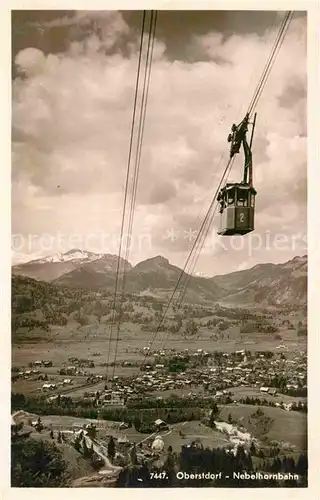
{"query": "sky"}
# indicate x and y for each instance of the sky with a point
(73, 82)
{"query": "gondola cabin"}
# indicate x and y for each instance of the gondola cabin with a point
(237, 203)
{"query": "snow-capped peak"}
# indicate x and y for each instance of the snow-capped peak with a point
(71, 255)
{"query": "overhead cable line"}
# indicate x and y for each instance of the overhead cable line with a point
(114, 305)
(194, 260)
(257, 94)
(262, 82)
(284, 30)
(253, 103)
(143, 110)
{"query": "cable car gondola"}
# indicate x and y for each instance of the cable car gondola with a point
(237, 200)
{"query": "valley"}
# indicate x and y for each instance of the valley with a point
(210, 355)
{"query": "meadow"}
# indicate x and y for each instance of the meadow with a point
(288, 426)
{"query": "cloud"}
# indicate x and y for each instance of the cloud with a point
(108, 21)
(71, 122)
(30, 61)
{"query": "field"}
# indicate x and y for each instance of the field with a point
(254, 392)
(66, 341)
(288, 427)
(193, 431)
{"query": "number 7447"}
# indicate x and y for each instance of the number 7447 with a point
(158, 475)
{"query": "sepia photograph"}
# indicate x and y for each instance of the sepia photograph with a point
(159, 246)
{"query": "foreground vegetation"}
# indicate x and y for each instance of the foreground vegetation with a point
(37, 463)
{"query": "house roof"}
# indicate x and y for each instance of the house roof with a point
(159, 422)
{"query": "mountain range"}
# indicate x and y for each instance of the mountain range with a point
(263, 284)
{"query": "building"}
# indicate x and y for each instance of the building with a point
(48, 386)
(161, 425)
(47, 364)
(272, 391)
(124, 425)
(114, 399)
(67, 381)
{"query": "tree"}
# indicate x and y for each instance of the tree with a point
(178, 325)
(111, 448)
(18, 401)
(98, 310)
(177, 365)
(302, 465)
(214, 408)
(261, 422)
(77, 443)
(133, 455)
(92, 431)
(212, 417)
(37, 463)
(259, 412)
(169, 466)
(191, 328)
(222, 326)
(39, 425)
(85, 450)
(137, 423)
(253, 449)
(97, 461)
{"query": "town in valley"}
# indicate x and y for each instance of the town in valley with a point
(219, 376)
